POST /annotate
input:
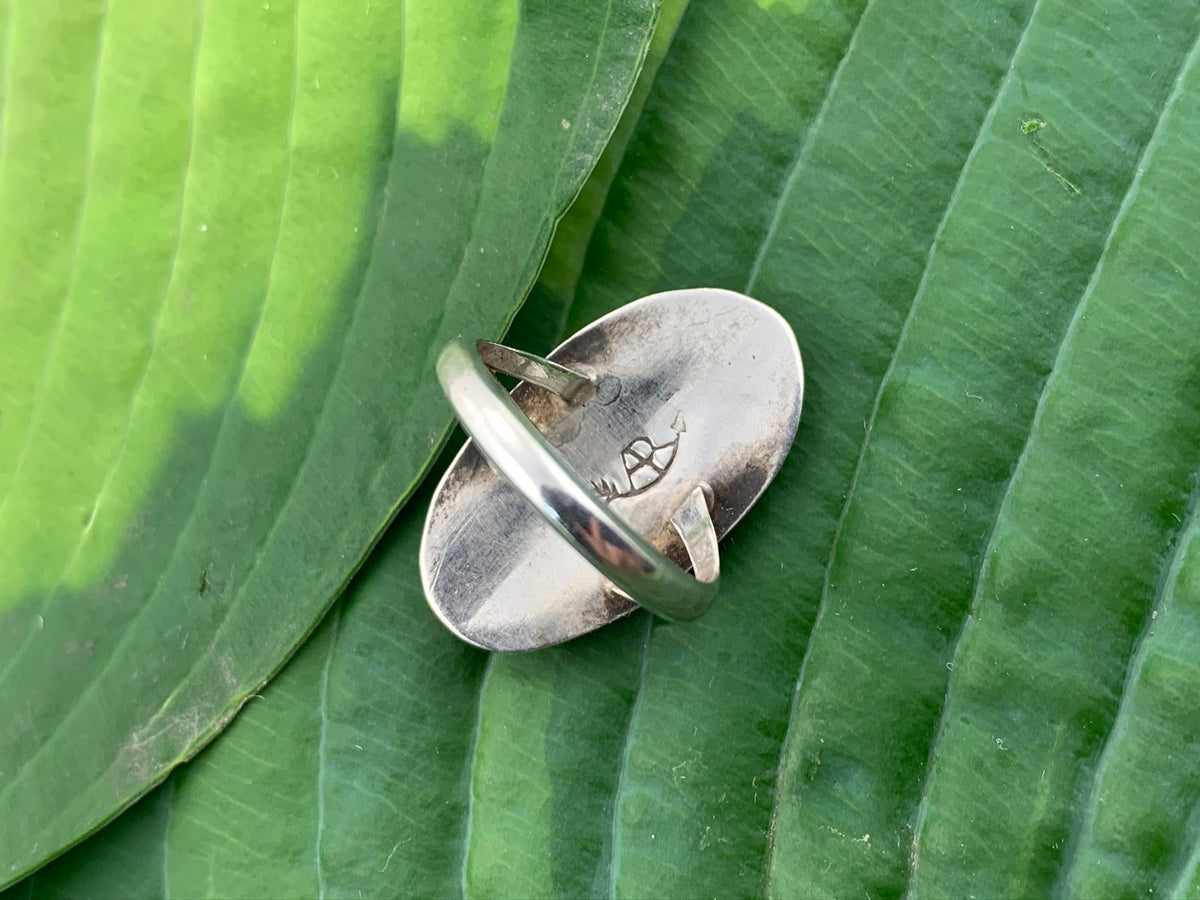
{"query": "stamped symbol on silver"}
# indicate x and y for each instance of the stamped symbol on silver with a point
(645, 463)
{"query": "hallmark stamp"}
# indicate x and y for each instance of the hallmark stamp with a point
(645, 463)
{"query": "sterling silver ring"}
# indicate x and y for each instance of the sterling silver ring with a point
(617, 463)
(523, 455)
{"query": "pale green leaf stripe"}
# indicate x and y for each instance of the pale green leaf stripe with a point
(33, 152)
(107, 485)
(1099, 496)
(6, 28)
(60, 702)
(927, 419)
(605, 57)
(540, 325)
(346, 775)
(23, 439)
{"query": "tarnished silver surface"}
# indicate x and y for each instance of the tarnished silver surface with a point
(531, 464)
(691, 393)
(569, 385)
(694, 525)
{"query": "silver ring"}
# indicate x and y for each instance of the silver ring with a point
(621, 459)
(527, 460)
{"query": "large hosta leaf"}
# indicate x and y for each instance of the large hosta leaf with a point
(956, 648)
(232, 236)
(345, 776)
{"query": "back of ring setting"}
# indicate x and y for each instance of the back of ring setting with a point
(615, 466)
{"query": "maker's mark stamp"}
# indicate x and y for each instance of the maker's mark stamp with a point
(645, 463)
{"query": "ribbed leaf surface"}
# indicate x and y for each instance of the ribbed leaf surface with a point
(232, 237)
(955, 652)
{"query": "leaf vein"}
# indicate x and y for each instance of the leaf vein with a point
(1131, 193)
(469, 776)
(614, 853)
(169, 789)
(804, 152)
(39, 392)
(77, 704)
(1169, 575)
(10, 29)
(141, 380)
(823, 604)
(322, 742)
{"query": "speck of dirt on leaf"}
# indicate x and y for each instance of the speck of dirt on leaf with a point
(1032, 125)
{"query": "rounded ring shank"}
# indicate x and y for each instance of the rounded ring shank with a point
(523, 456)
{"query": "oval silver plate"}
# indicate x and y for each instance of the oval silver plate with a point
(708, 386)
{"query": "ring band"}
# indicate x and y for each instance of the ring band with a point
(522, 455)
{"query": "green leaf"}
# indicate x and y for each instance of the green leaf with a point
(956, 651)
(232, 236)
(539, 326)
(930, 241)
(345, 775)
(1098, 509)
